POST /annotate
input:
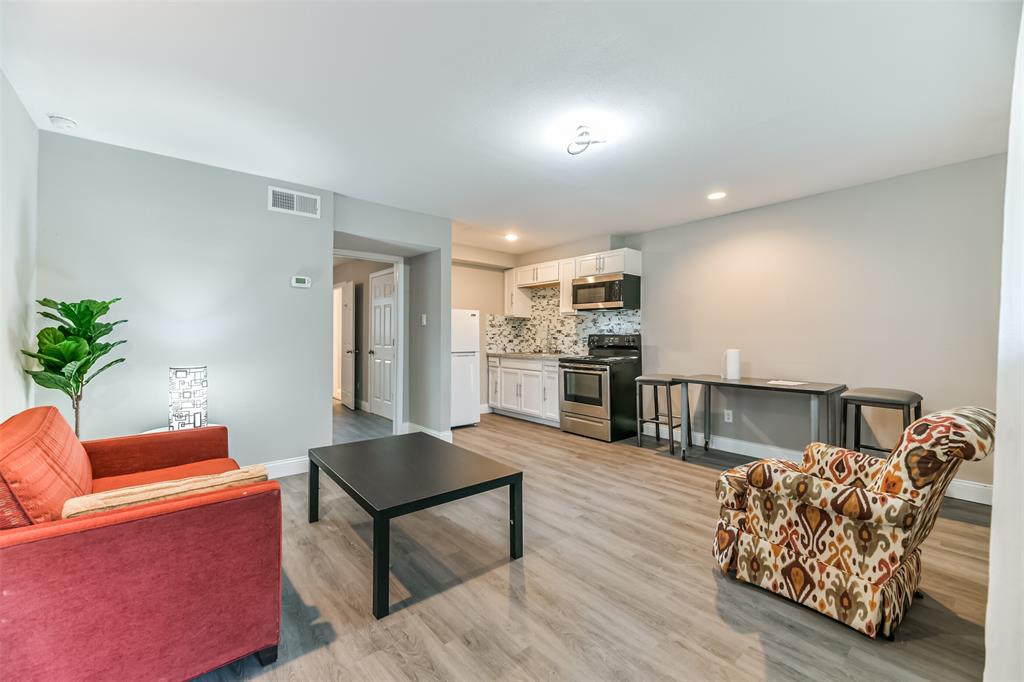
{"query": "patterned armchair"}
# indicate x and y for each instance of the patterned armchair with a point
(841, 533)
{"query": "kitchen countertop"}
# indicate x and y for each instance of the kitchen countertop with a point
(528, 356)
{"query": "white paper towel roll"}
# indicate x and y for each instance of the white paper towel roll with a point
(731, 364)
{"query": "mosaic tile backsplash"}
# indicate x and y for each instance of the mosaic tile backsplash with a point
(565, 333)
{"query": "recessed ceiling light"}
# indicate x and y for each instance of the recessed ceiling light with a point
(715, 196)
(62, 122)
(510, 237)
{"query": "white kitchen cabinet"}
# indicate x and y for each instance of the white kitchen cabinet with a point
(566, 273)
(549, 394)
(537, 275)
(517, 301)
(524, 387)
(494, 386)
(609, 262)
(510, 389)
(531, 393)
(588, 265)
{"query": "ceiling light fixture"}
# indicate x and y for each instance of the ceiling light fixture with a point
(581, 141)
(62, 122)
(715, 196)
(510, 237)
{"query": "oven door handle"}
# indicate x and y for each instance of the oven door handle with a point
(581, 370)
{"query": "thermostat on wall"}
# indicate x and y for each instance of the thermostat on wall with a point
(300, 282)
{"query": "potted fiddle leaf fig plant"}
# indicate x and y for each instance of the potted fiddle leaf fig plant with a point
(68, 352)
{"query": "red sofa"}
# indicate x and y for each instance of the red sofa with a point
(166, 590)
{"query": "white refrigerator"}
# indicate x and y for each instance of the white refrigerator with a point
(465, 367)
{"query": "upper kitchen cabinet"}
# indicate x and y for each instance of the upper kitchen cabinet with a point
(626, 261)
(537, 275)
(517, 301)
(566, 274)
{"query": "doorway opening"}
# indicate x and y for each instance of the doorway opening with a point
(366, 347)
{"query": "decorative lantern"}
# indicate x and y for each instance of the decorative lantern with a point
(186, 398)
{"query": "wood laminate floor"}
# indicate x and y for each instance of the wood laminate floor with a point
(352, 425)
(617, 583)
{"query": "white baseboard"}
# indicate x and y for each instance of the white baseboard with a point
(485, 408)
(410, 427)
(959, 489)
(287, 467)
(972, 491)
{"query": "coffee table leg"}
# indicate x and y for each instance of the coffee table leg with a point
(381, 559)
(515, 518)
(314, 492)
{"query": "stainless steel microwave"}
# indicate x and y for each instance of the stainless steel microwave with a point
(604, 292)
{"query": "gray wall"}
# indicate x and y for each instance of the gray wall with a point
(358, 272)
(427, 289)
(19, 147)
(204, 270)
(893, 283)
(479, 288)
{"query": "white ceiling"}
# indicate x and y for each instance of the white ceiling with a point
(444, 108)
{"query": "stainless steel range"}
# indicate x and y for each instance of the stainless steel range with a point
(597, 392)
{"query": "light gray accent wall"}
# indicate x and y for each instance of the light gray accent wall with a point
(204, 271)
(358, 272)
(893, 284)
(19, 148)
(429, 387)
(580, 247)
(427, 289)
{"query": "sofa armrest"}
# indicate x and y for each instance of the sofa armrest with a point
(834, 463)
(844, 500)
(143, 452)
(171, 589)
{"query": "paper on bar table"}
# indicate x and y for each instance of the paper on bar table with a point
(783, 382)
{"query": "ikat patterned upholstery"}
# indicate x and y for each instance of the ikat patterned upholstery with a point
(841, 532)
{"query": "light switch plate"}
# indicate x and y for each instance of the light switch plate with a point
(728, 416)
(423, 320)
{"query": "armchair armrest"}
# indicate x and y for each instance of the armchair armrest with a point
(844, 500)
(143, 452)
(834, 463)
(170, 589)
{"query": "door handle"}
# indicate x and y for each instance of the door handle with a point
(371, 352)
(348, 352)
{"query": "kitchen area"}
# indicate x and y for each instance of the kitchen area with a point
(564, 348)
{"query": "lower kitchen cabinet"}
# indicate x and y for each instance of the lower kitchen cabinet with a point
(549, 394)
(524, 387)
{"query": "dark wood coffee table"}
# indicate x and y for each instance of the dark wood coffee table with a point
(398, 475)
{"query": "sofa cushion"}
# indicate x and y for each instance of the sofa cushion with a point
(200, 468)
(162, 490)
(42, 465)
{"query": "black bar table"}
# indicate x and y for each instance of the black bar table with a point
(817, 392)
(398, 475)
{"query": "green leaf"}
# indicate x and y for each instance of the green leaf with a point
(49, 363)
(50, 336)
(51, 380)
(97, 351)
(101, 369)
(50, 316)
(73, 348)
(49, 303)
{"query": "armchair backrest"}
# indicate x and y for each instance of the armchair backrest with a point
(928, 454)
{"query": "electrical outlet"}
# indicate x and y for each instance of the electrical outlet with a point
(728, 416)
(423, 320)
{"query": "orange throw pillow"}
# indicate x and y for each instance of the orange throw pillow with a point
(42, 464)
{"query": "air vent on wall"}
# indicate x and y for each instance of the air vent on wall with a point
(290, 201)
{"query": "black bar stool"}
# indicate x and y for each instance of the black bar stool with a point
(889, 398)
(658, 381)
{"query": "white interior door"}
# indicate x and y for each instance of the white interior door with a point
(382, 343)
(348, 344)
(336, 349)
